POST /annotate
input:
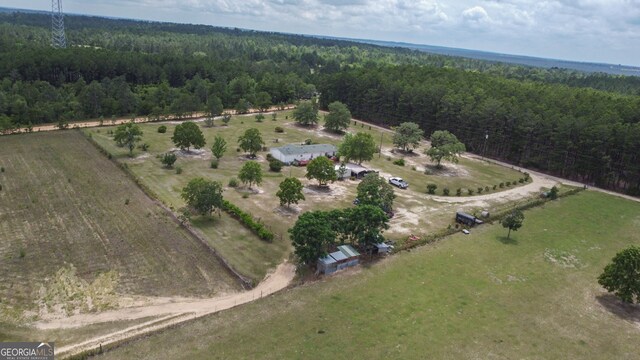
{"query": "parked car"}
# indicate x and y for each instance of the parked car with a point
(396, 181)
(300, 162)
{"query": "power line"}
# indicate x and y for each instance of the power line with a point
(58, 37)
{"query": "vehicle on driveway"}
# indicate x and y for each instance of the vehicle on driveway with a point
(396, 181)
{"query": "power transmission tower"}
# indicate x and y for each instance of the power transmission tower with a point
(58, 38)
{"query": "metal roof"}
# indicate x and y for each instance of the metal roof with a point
(348, 251)
(293, 149)
(339, 255)
(327, 260)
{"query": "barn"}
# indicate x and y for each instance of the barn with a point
(288, 153)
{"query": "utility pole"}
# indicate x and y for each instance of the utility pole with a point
(484, 150)
(380, 149)
(58, 37)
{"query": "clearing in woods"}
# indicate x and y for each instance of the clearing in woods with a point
(478, 296)
(76, 234)
(416, 211)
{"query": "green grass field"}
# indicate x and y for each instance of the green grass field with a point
(478, 296)
(64, 203)
(245, 252)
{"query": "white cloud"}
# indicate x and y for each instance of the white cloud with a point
(590, 30)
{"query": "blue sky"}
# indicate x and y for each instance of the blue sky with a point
(581, 30)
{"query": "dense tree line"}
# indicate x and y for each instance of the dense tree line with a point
(584, 134)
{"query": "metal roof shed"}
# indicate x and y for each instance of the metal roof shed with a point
(327, 265)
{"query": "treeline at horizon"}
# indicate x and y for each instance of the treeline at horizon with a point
(581, 126)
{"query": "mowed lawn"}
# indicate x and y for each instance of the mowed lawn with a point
(478, 296)
(245, 252)
(64, 203)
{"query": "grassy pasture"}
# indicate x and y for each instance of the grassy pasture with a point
(244, 251)
(63, 202)
(479, 296)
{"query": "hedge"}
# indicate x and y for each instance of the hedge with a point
(245, 218)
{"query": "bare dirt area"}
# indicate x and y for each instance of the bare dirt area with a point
(75, 232)
(167, 312)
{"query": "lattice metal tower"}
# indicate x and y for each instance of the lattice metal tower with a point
(58, 37)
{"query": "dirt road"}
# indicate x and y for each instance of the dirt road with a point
(167, 312)
(141, 119)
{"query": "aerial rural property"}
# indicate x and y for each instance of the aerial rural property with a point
(171, 190)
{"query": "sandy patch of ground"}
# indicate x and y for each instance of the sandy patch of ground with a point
(201, 154)
(293, 210)
(337, 190)
(316, 130)
(405, 221)
(166, 312)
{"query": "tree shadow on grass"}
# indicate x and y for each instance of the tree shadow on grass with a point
(507, 241)
(625, 311)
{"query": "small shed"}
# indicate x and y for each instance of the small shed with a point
(381, 248)
(327, 265)
(345, 257)
(288, 153)
(467, 219)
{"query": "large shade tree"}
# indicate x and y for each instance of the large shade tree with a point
(444, 146)
(338, 118)
(359, 147)
(407, 136)
(306, 113)
(203, 195)
(251, 141)
(251, 173)
(311, 235)
(622, 275)
(290, 191)
(188, 134)
(375, 190)
(321, 169)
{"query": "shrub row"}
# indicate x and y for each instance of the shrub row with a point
(248, 220)
(431, 188)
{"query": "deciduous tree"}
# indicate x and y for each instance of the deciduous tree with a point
(375, 190)
(444, 145)
(513, 221)
(363, 224)
(219, 146)
(622, 275)
(188, 134)
(203, 195)
(311, 236)
(290, 191)
(321, 169)
(128, 135)
(407, 136)
(338, 118)
(306, 114)
(359, 147)
(251, 173)
(251, 141)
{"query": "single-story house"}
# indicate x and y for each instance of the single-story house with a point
(288, 153)
(355, 170)
(345, 257)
